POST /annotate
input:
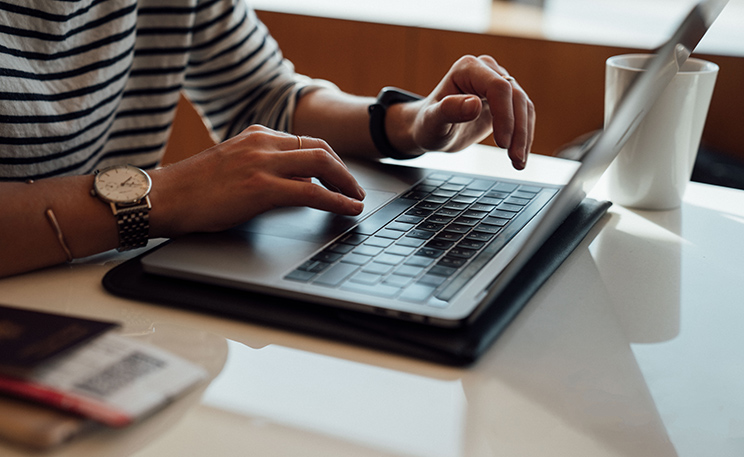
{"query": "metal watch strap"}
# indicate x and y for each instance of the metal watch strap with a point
(134, 225)
(388, 96)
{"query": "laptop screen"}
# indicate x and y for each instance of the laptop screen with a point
(600, 150)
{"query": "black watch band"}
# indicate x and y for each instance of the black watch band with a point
(388, 96)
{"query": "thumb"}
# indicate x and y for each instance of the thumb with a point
(442, 118)
(455, 109)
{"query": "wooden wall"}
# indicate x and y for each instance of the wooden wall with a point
(564, 80)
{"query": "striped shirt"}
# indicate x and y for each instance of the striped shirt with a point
(86, 84)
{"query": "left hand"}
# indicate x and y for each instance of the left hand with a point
(476, 97)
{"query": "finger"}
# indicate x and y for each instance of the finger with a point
(259, 137)
(505, 127)
(282, 156)
(267, 138)
(442, 117)
(523, 126)
(533, 120)
(491, 62)
(299, 193)
(455, 109)
(524, 116)
(308, 142)
(482, 77)
(321, 164)
(502, 109)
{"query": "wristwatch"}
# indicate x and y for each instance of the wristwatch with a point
(126, 189)
(388, 96)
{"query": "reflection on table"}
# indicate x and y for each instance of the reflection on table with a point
(632, 348)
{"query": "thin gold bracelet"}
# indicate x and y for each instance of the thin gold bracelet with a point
(60, 237)
(57, 229)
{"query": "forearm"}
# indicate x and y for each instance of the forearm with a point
(343, 121)
(29, 238)
(225, 185)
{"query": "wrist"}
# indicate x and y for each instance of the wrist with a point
(126, 190)
(399, 123)
(390, 123)
(163, 224)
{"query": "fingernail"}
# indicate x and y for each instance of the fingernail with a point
(505, 142)
(362, 193)
(471, 105)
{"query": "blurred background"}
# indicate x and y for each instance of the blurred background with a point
(555, 48)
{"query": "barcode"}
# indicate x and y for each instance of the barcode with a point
(120, 374)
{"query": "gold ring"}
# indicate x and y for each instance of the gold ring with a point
(299, 141)
(509, 78)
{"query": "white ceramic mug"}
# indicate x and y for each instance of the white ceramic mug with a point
(653, 168)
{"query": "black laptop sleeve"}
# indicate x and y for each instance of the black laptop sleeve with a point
(456, 346)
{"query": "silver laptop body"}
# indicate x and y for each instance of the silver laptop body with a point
(431, 246)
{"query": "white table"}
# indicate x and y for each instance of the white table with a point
(633, 348)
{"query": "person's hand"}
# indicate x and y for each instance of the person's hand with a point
(476, 97)
(253, 172)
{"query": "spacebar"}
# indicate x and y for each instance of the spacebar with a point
(483, 257)
(384, 215)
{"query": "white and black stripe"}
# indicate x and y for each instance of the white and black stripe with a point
(86, 84)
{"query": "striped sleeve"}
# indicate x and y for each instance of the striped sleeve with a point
(236, 73)
(91, 83)
(64, 68)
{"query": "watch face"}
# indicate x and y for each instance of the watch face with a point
(122, 184)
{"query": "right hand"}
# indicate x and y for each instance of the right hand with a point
(253, 172)
(476, 97)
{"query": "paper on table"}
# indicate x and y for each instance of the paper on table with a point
(113, 379)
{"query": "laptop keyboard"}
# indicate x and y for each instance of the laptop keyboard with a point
(425, 245)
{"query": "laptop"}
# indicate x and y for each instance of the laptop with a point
(431, 246)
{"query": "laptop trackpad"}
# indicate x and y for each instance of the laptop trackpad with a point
(302, 223)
